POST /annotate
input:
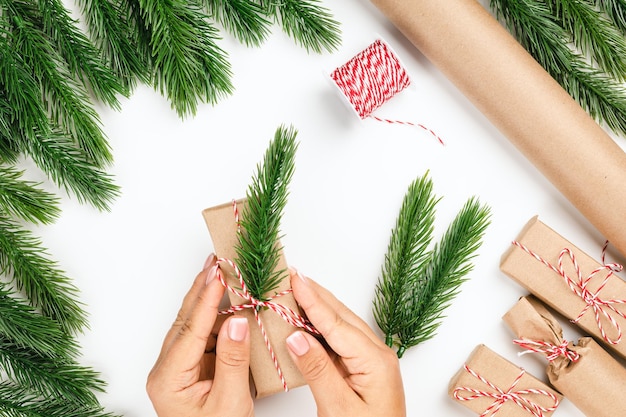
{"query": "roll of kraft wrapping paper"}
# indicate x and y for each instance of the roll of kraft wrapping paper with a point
(524, 102)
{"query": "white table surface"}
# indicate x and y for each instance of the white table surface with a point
(134, 264)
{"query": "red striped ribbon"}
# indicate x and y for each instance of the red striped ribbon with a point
(286, 313)
(551, 351)
(601, 308)
(371, 78)
(501, 397)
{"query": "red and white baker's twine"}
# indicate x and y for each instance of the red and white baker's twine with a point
(286, 313)
(500, 396)
(600, 307)
(551, 351)
(371, 78)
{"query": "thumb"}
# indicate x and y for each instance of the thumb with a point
(232, 359)
(319, 371)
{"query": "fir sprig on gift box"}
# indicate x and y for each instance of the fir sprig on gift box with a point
(581, 44)
(257, 251)
(417, 283)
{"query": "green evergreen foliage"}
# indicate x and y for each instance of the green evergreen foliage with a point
(417, 284)
(581, 44)
(257, 251)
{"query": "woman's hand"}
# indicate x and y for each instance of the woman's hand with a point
(202, 370)
(361, 377)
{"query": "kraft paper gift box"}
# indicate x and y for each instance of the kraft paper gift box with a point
(583, 372)
(223, 229)
(533, 261)
(489, 383)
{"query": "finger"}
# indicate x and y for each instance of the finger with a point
(189, 300)
(341, 309)
(232, 360)
(327, 384)
(189, 343)
(344, 337)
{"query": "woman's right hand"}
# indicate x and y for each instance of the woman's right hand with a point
(361, 376)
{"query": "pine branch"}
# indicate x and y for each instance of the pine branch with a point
(410, 238)
(616, 10)
(49, 376)
(22, 325)
(23, 257)
(536, 29)
(81, 56)
(67, 101)
(24, 200)
(245, 19)
(308, 23)
(594, 34)
(443, 274)
(189, 66)
(19, 401)
(258, 252)
(115, 33)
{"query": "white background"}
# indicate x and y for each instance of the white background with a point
(134, 264)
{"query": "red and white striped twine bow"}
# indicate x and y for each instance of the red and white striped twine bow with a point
(600, 307)
(501, 397)
(371, 78)
(551, 351)
(286, 313)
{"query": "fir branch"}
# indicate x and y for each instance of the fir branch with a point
(56, 155)
(47, 288)
(307, 22)
(244, 19)
(49, 376)
(67, 101)
(115, 33)
(81, 56)
(189, 66)
(443, 274)
(616, 11)
(410, 238)
(23, 326)
(19, 401)
(258, 252)
(23, 199)
(594, 34)
(537, 30)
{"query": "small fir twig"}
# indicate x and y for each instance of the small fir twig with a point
(23, 199)
(417, 285)
(244, 19)
(616, 11)
(258, 251)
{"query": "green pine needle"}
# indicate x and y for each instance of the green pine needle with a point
(48, 289)
(417, 285)
(258, 252)
(308, 23)
(410, 238)
(23, 199)
(245, 19)
(20, 401)
(539, 31)
(616, 10)
(189, 66)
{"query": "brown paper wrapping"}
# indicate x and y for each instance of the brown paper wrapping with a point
(223, 230)
(551, 287)
(502, 373)
(595, 383)
(521, 99)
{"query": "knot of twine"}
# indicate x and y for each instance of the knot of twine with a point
(371, 78)
(287, 314)
(578, 285)
(500, 396)
(551, 351)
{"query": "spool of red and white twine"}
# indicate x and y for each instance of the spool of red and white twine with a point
(287, 314)
(370, 79)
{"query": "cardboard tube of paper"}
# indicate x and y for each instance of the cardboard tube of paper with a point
(522, 100)
(221, 223)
